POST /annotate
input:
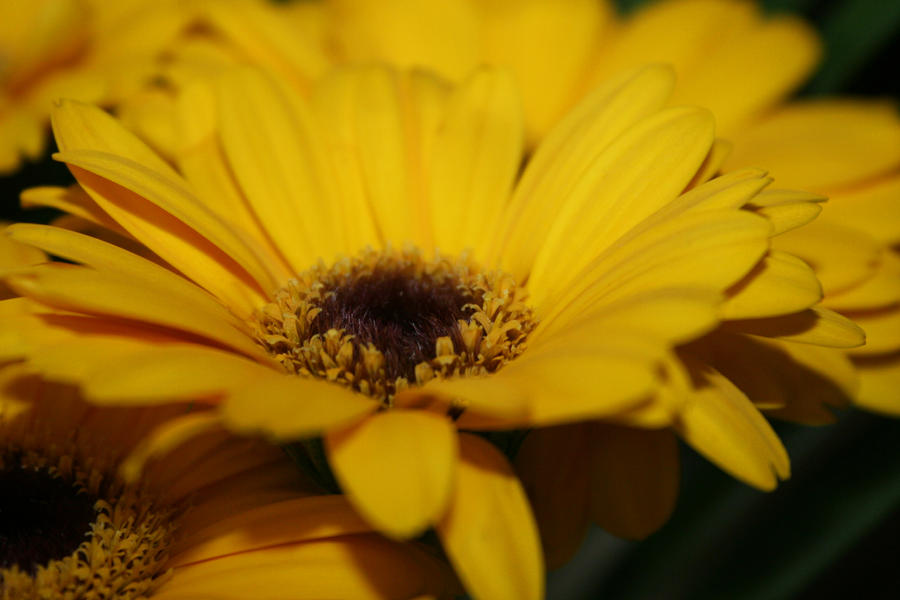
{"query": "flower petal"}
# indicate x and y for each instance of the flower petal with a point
(289, 407)
(816, 325)
(561, 159)
(476, 156)
(94, 292)
(720, 423)
(489, 532)
(554, 465)
(397, 468)
(780, 284)
(273, 147)
(286, 522)
(634, 479)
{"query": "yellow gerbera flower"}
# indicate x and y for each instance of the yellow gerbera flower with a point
(728, 57)
(213, 516)
(367, 266)
(89, 50)
(741, 65)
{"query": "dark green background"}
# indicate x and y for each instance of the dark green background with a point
(831, 531)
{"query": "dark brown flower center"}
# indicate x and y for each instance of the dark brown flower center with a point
(386, 320)
(42, 517)
(400, 314)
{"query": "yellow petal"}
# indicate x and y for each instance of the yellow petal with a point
(727, 56)
(563, 156)
(397, 468)
(816, 325)
(263, 34)
(73, 200)
(720, 423)
(639, 173)
(441, 35)
(273, 147)
(114, 260)
(364, 566)
(573, 380)
(780, 284)
(880, 290)
(669, 315)
(85, 290)
(864, 207)
(289, 407)
(554, 465)
(841, 257)
(375, 122)
(166, 438)
(882, 329)
(286, 522)
(517, 35)
(797, 382)
(489, 532)
(173, 373)
(477, 154)
(635, 476)
(787, 209)
(174, 197)
(710, 250)
(879, 381)
(819, 144)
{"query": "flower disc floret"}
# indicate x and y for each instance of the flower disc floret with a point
(385, 320)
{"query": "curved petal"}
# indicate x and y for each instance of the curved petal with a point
(489, 531)
(289, 407)
(720, 423)
(634, 479)
(397, 468)
(285, 522)
(779, 284)
(554, 465)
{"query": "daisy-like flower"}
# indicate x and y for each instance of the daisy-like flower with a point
(213, 516)
(84, 49)
(365, 265)
(160, 502)
(739, 64)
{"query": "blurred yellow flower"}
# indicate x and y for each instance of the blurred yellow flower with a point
(367, 264)
(212, 515)
(89, 50)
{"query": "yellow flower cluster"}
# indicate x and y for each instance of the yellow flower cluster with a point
(392, 299)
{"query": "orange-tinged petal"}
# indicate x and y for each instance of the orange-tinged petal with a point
(397, 468)
(94, 292)
(109, 258)
(363, 567)
(286, 522)
(489, 532)
(289, 407)
(634, 479)
(554, 465)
